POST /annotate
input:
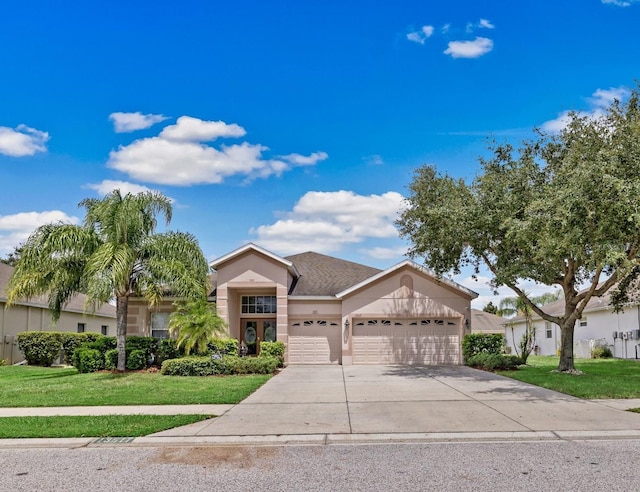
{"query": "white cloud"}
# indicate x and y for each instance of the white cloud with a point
(190, 129)
(422, 35)
(484, 23)
(382, 253)
(129, 122)
(374, 160)
(469, 49)
(620, 3)
(599, 101)
(178, 156)
(326, 221)
(22, 141)
(108, 185)
(16, 228)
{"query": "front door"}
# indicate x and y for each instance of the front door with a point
(255, 331)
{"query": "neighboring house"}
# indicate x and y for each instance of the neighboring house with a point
(34, 315)
(331, 311)
(599, 326)
(483, 322)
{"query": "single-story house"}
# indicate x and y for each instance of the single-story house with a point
(483, 322)
(331, 311)
(34, 315)
(599, 326)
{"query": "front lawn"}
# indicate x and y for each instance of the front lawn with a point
(92, 426)
(29, 386)
(602, 378)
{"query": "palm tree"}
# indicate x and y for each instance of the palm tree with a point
(115, 254)
(194, 324)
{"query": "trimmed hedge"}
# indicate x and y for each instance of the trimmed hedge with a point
(102, 344)
(136, 360)
(478, 343)
(224, 346)
(40, 348)
(71, 341)
(601, 353)
(111, 359)
(494, 362)
(148, 345)
(88, 360)
(167, 349)
(273, 349)
(226, 365)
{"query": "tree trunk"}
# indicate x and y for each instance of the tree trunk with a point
(122, 305)
(566, 346)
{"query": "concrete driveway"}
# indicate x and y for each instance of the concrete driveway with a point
(387, 400)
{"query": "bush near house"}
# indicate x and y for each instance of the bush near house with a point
(111, 359)
(494, 362)
(482, 343)
(224, 346)
(88, 360)
(40, 348)
(136, 360)
(2, 362)
(72, 341)
(601, 353)
(167, 349)
(273, 349)
(224, 365)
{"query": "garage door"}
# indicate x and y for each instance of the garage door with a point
(423, 341)
(315, 342)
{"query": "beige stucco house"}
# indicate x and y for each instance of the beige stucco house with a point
(34, 315)
(331, 311)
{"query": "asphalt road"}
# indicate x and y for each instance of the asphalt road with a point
(532, 466)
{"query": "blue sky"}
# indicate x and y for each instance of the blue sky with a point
(295, 125)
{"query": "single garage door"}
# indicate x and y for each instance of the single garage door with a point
(315, 342)
(422, 342)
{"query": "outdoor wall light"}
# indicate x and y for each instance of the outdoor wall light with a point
(346, 324)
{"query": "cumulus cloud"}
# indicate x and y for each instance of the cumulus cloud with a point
(326, 221)
(484, 23)
(382, 253)
(598, 102)
(108, 185)
(22, 141)
(620, 3)
(179, 156)
(469, 49)
(481, 285)
(422, 35)
(16, 228)
(130, 122)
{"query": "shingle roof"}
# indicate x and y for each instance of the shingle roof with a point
(76, 303)
(322, 275)
(483, 322)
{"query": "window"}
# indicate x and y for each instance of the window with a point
(259, 304)
(583, 322)
(81, 327)
(160, 325)
(104, 329)
(548, 329)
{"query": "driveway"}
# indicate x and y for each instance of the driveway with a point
(343, 400)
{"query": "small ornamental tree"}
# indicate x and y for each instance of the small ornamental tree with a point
(194, 325)
(564, 210)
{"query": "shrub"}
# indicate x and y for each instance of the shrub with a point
(111, 359)
(136, 360)
(102, 344)
(603, 352)
(255, 365)
(2, 362)
(494, 362)
(146, 344)
(224, 346)
(165, 350)
(477, 343)
(273, 349)
(88, 360)
(188, 366)
(71, 341)
(40, 348)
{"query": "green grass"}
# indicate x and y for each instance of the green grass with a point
(28, 386)
(103, 426)
(602, 378)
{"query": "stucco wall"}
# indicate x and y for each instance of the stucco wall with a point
(599, 325)
(20, 318)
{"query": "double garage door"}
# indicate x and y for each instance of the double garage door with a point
(315, 342)
(422, 341)
(376, 341)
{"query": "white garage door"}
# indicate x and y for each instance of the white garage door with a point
(315, 342)
(423, 341)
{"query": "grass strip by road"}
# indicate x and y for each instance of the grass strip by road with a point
(602, 378)
(92, 426)
(29, 386)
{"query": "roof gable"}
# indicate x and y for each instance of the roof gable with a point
(255, 248)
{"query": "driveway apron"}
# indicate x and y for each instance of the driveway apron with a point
(335, 399)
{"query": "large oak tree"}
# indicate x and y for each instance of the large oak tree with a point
(115, 254)
(562, 210)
